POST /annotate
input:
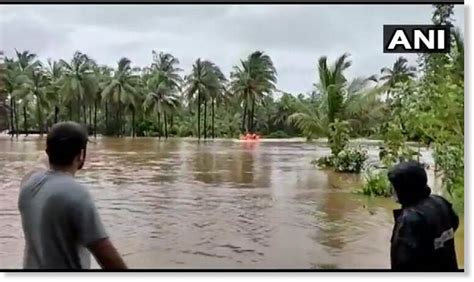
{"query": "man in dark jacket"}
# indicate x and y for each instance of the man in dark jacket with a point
(423, 235)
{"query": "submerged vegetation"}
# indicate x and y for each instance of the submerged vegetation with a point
(402, 103)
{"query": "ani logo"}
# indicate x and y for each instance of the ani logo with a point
(416, 39)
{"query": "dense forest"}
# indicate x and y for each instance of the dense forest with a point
(423, 103)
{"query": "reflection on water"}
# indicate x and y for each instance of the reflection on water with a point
(184, 204)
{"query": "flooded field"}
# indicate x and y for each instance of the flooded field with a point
(215, 204)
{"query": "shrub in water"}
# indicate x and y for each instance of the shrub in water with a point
(350, 160)
(324, 162)
(376, 184)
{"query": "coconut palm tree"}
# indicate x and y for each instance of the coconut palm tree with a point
(338, 99)
(34, 90)
(54, 73)
(251, 80)
(9, 80)
(103, 76)
(199, 83)
(331, 83)
(21, 72)
(161, 97)
(400, 72)
(78, 83)
(121, 91)
(216, 92)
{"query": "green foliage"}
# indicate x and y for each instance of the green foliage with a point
(350, 160)
(278, 134)
(395, 149)
(338, 136)
(324, 162)
(376, 184)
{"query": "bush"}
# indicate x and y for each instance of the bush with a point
(278, 134)
(350, 160)
(324, 162)
(376, 184)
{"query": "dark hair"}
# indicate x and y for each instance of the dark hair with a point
(64, 142)
(410, 182)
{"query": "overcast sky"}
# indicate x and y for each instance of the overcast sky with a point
(294, 36)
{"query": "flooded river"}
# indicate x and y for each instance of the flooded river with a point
(215, 204)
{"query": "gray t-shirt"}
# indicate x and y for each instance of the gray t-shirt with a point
(59, 219)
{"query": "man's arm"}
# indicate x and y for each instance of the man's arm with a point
(106, 254)
(407, 249)
(91, 232)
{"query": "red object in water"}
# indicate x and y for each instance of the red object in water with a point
(249, 137)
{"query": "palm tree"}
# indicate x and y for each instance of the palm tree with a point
(24, 65)
(215, 91)
(34, 89)
(332, 82)
(121, 91)
(54, 73)
(78, 83)
(161, 97)
(400, 72)
(162, 83)
(338, 99)
(254, 78)
(9, 80)
(103, 75)
(201, 81)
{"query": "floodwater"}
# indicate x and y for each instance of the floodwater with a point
(215, 204)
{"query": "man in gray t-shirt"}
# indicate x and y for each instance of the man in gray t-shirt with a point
(60, 221)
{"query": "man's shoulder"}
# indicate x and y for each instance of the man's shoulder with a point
(411, 216)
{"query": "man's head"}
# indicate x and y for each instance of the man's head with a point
(66, 146)
(410, 182)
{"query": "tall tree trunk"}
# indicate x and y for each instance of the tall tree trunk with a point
(84, 109)
(95, 118)
(166, 125)
(56, 113)
(252, 115)
(12, 120)
(15, 115)
(79, 110)
(205, 118)
(106, 116)
(25, 121)
(40, 121)
(159, 126)
(133, 122)
(117, 113)
(213, 116)
(199, 114)
(244, 116)
(90, 117)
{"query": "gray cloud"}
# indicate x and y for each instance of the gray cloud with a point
(294, 36)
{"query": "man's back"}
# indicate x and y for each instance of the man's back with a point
(423, 237)
(59, 219)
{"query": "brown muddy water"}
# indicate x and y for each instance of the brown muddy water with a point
(215, 204)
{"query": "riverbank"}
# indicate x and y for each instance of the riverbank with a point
(319, 141)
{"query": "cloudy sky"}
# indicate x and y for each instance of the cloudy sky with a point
(294, 36)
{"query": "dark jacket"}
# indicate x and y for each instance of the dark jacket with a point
(423, 234)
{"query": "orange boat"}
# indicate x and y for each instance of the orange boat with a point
(249, 137)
